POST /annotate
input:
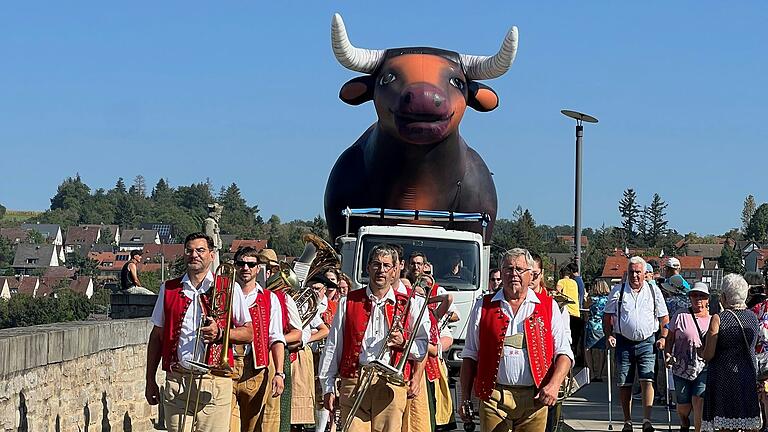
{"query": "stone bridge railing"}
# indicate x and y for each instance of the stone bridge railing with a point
(78, 376)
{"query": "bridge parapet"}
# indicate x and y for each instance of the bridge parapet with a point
(76, 376)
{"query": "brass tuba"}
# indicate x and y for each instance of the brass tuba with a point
(318, 256)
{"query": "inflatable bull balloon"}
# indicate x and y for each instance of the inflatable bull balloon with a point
(413, 156)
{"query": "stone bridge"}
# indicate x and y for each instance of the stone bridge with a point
(77, 376)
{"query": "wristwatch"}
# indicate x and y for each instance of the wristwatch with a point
(280, 374)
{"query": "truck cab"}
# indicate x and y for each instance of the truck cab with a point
(459, 259)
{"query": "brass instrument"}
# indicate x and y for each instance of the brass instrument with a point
(317, 257)
(393, 374)
(561, 299)
(221, 304)
(287, 281)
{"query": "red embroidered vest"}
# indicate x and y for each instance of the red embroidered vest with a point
(358, 313)
(175, 305)
(260, 316)
(433, 363)
(493, 328)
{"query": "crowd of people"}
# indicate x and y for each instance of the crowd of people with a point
(288, 368)
(372, 358)
(669, 346)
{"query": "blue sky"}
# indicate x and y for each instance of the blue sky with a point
(248, 93)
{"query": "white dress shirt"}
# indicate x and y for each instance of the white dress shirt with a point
(189, 346)
(514, 366)
(373, 339)
(275, 330)
(314, 323)
(637, 321)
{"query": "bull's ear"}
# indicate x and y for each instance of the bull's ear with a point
(358, 90)
(481, 97)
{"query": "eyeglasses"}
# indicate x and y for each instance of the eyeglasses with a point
(496, 279)
(535, 274)
(250, 264)
(199, 251)
(519, 270)
(380, 265)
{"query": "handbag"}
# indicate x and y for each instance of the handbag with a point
(761, 368)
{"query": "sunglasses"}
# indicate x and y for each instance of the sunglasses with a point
(250, 264)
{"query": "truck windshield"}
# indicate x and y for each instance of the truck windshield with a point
(455, 264)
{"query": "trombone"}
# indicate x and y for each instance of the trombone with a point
(217, 354)
(393, 374)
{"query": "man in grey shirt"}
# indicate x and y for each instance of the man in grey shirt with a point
(635, 312)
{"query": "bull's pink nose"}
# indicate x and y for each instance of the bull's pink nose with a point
(423, 98)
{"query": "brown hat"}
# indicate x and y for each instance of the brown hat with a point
(268, 256)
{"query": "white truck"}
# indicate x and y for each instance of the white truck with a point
(442, 247)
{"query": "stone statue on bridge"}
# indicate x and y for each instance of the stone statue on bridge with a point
(211, 229)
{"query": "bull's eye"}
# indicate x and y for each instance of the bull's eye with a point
(388, 78)
(458, 83)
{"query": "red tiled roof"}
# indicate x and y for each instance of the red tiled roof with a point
(170, 251)
(14, 235)
(81, 235)
(80, 285)
(44, 289)
(569, 239)
(256, 244)
(615, 266)
(27, 285)
(150, 267)
(59, 272)
(13, 283)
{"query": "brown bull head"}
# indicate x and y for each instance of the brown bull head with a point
(420, 94)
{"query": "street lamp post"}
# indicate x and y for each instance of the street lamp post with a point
(580, 118)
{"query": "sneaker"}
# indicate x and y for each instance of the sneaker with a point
(647, 427)
(627, 427)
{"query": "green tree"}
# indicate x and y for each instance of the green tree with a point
(2, 211)
(6, 254)
(747, 212)
(757, 229)
(238, 217)
(657, 224)
(601, 244)
(630, 213)
(527, 235)
(140, 185)
(730, 260)
(71, 194)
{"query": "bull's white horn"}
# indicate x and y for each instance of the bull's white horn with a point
(489, 67)
(356, 59)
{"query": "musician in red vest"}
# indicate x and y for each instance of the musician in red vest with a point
(255, 384)
(517, 352)
(358, 334)
(183, 305)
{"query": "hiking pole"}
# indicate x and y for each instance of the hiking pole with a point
(669, 408)
(610, 400)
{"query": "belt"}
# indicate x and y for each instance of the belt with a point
(514, 387)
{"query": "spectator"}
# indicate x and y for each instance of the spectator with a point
(344, 285)
(568, 286)
(594, 337)
(675, 287)
(129, 275)
(729, 350)
(494, 280)
(689, 371)
(574, 269)
(639, 311)
(758, 298)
